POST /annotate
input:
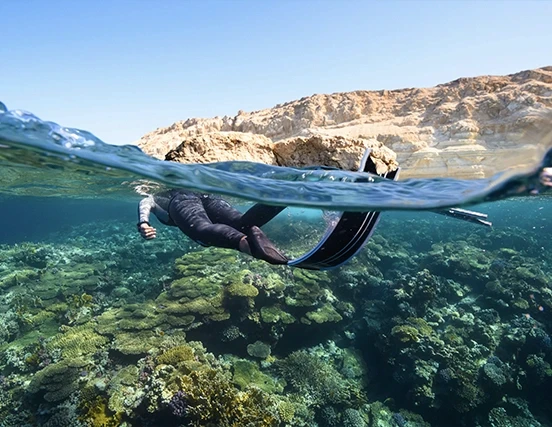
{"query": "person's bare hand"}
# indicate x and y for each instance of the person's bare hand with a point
(147, 231)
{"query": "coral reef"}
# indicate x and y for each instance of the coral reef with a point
(409, 333)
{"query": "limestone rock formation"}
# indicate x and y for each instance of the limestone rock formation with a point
(335, 151)
(468, 128)
(223, 146)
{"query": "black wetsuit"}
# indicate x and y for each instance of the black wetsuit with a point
(209, 220)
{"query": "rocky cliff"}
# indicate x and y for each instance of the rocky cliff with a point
(335, 151)
(468, 128)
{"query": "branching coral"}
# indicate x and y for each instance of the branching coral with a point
(97, 413)
(176, 355)
(318, 381)
(211, 400)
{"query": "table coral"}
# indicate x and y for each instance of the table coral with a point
(58, 380)
(76, 342)
(259, 350)
(324, 314)
(275, 314)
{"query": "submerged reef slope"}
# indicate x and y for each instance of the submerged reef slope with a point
(438, 328)
(469, 128)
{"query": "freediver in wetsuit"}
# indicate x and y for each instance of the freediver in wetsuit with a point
(211, 221)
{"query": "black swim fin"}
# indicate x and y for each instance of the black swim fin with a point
(463, 214)
(262, 248)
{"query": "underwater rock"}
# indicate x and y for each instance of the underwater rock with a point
(33, 255)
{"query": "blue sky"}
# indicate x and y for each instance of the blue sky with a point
(122, 68)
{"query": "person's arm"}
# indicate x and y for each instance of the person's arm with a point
(144, 210)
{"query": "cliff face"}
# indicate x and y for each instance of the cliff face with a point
(335, 151)
(468, 128)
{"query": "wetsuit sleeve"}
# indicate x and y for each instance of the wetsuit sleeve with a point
(144, 209)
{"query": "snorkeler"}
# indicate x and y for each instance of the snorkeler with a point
(211, 221)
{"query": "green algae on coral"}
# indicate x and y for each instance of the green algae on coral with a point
(286, 411)
(202, 290)
(123, 391)
(353, 365)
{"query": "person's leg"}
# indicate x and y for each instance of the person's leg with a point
(257, 243)
(188, 213)
(221, 212)
(262, 248)
(259, 214)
